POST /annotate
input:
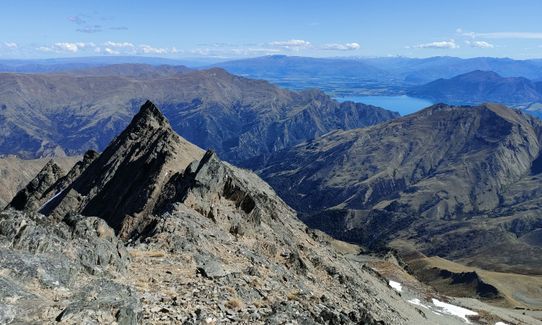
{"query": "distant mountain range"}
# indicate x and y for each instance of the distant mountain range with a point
(78, 63)
(282, 65)
(398, 69)
(419, 71)
(70, 112)
(457, 182)
(299, 72)
(478, 87)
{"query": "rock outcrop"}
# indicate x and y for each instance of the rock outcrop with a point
(16, 173)
(30, 198)
(50, 270)
(49, 182)
(124, 183)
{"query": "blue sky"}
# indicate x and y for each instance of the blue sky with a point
(242, 28)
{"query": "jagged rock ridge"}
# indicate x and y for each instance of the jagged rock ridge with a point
(48, 183)
(209, 242)
(124, 182)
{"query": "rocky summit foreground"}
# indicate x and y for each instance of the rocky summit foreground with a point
(206, 243)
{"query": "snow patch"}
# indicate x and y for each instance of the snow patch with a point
(51, 199)
(501, 323)
(417, 302)
(454, 310)
(396, 285)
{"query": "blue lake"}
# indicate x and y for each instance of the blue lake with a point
(402, 104)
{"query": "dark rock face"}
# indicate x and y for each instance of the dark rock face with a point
(49, 183)
(433, 178)
(16, 173)
(123, 183)
(237, 117)
(33, 195)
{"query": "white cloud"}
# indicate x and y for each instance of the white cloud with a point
(147, 49)
(341, 47)
(480, 44)
(111, 51)
(118, 45)
(293, 44)
(451, 44)
(67, 47)
(44, 49)
(10, 45)
(71, 47)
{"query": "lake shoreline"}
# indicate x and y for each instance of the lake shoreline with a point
(402, 104)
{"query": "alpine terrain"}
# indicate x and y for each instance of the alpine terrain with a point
(461, 183)
(69, 113)
(156, 230)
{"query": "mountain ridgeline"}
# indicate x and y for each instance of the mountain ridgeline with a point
(477, 87)
(428, 181)
(69, 113)
(207, 242)
(400, 70)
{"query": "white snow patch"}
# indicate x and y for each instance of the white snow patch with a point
(454, 310)
(417, 302)
(49, 201)
(501, 323)
(396, 285)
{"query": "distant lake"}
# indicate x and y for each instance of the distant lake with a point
(402, 104)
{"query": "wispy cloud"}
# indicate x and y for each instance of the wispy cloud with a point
(341, 47)
(233, 51)
(90, 29)
(480, 44)
(111, 51)
(66, 47)
(11, 45)
(90, 23)
(293, 44)
(223, 50)
(450, 44)
(147, 49)
(119, 45)
(78, 19)
(506, 35)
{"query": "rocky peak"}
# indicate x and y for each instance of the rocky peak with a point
(31, 197)
(148, 170)
(124, 183)
(150, 116)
